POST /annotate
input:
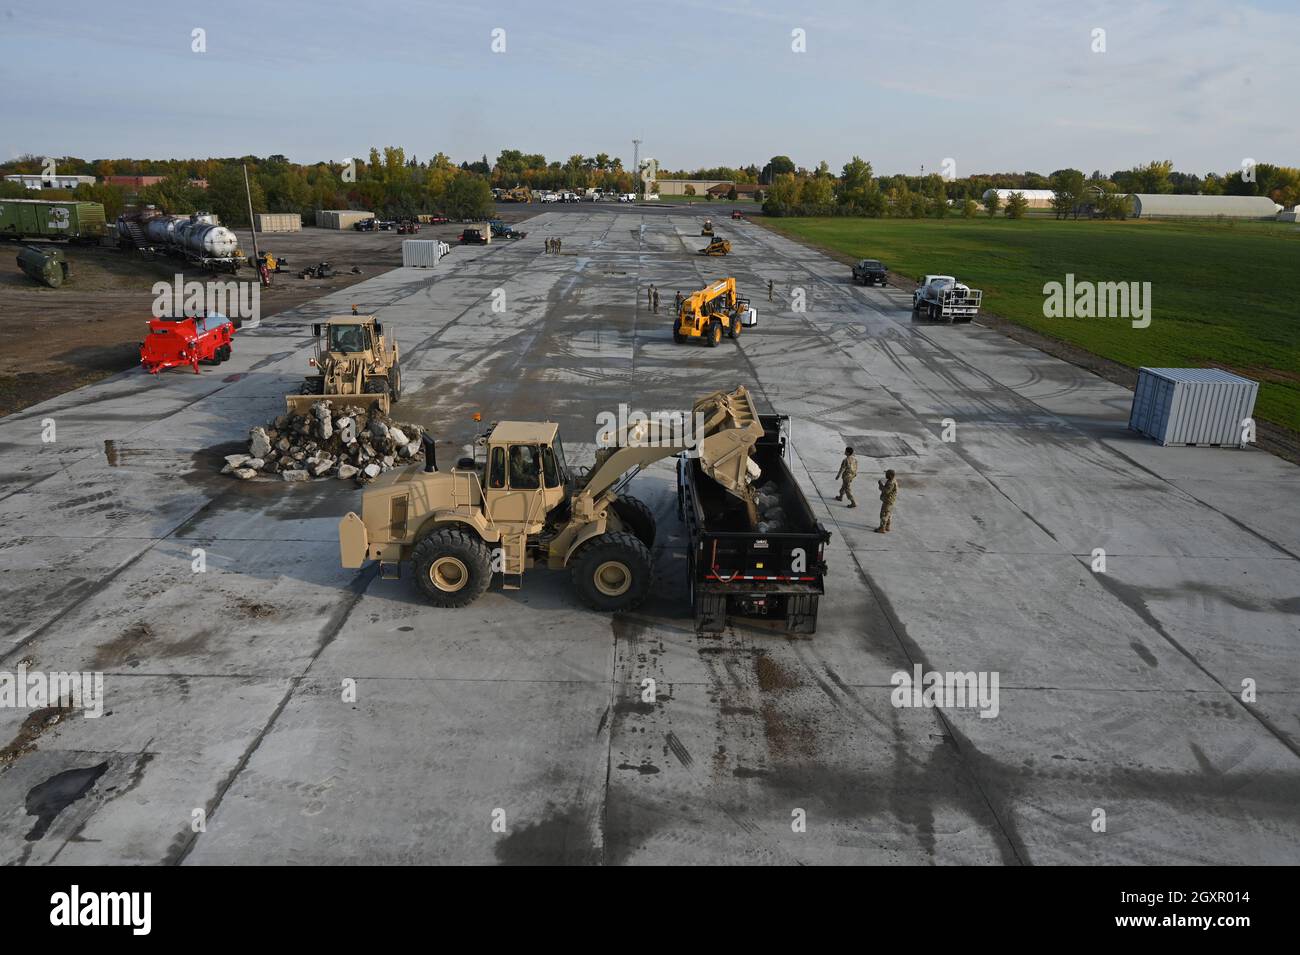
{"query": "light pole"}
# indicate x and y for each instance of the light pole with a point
(636, 167)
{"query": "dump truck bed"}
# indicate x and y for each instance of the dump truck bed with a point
(773, 571)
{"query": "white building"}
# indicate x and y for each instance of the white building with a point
(1232, 207)
(37, 181)
(1036, 198)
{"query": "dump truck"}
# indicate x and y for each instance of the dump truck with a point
(516, 504)
(719, 246)
(186, 340)
(772, 570)
(941, 298)
(712, 312)
(355, 360)
(46, 266)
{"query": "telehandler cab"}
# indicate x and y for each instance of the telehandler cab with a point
(517, 503)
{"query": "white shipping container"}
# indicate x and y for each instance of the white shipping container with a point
(1200, 406)
(279, 222)
(423, 253)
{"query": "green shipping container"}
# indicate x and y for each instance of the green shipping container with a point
(22, 219)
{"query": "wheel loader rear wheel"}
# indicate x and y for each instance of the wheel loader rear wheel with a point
(452, 567)
(678, 337)
(612, 572)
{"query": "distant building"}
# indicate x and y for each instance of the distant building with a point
(199, 183)
(744, 190)
(38, 181)
(133, 182)
(1037, 198)
(1157, 205)
(677, 187)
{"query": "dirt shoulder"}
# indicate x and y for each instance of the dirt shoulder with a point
(57, 340)
(1273, 438)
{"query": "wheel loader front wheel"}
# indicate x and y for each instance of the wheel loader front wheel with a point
(612, 572)
(636, 517)
(715, 334)
(452, 567)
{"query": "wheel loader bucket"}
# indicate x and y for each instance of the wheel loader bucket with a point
(731, 428)
(301, 404)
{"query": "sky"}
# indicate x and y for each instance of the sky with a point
(992, 86)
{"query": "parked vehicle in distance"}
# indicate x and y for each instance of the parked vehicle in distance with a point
(365, 225)
(408, 228)
(942, 298)
(473, 237)
(737, 214)
(386, 225)
(627, 197)
(869, 272)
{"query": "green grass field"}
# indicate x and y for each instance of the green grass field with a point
(1221, 292)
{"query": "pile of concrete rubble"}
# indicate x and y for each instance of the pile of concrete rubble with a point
(771, 515)
(346, 443)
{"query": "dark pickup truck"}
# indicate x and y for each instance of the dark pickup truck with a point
(869, 272)
(772, 572)
(473, 237)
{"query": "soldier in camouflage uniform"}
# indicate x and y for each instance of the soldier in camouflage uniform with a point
(888, 494)
(847, 472)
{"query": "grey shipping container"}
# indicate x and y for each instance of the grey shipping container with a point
(1202, 406)
(422, 253)
(279, 222)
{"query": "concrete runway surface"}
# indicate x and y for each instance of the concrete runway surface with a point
(1119, 691)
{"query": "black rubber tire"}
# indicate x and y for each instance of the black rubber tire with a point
(471, 556)
(734, 330)
(714, 334)
(934, 313)
(312, 386)
(678, 337)
(638, 517)
(395, 383)
(613, 548)
(377, 386)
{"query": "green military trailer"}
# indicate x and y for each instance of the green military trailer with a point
(46, 266)
(58, 219)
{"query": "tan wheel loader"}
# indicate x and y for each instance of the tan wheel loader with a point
(517, 503)
(354, 359)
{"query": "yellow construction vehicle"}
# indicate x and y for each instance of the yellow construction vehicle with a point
(709, 314)
(707, 228)
(517, 194)
(355, 360)
(719, 246)
(516, 503)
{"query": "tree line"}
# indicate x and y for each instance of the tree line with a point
(856, 191)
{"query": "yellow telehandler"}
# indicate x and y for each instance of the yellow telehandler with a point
(516, 503)
(354, 360)
(709, 314)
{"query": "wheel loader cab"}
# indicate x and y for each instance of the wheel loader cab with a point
(349, 339)
(526, 473)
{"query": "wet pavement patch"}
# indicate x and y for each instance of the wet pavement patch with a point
(46, 800)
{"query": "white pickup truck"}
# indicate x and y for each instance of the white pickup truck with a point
(941, 298)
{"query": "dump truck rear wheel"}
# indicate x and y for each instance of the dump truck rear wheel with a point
(452, 567)
(612, 572)
(638, 517)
